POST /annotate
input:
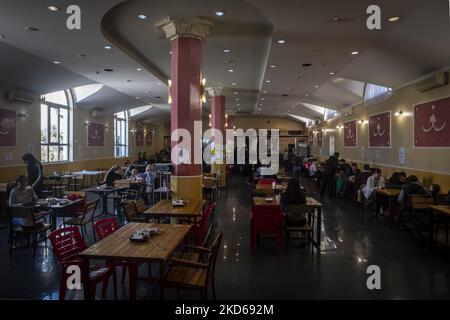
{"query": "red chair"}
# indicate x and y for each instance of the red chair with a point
(67, 245)
(266, 181)
(103, 228)
(266, 220)
(200, 228)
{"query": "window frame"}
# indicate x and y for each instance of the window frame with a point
(59, 144)
(123, 121)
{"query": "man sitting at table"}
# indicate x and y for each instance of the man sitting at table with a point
(353, 181)
(412, 186)
(375, 181)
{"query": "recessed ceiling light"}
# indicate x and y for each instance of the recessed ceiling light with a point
(281, 41)
(233, 84)
(268, 81)
(56, 62)
(119, 89)
(31, 29)
(81, 55)
(235, 92)
(108, 46)
(355, 53)
(143, 16)
(219, 13)
(1, 36)
(265, 91)
(394, 19)
(273, 65)
(332, 73)
(230, 70)
(139, 69)
(262, 99)
(170, 52)
(306, 95)
(53, 8)
(227, 50)
(237, 99)
(238, 104)
(316, 86)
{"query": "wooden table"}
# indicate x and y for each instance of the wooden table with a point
(164, 208)
(103, 192)
(119, 247)
(392, 195)
(310, 202)
(445, 210)
(90, 173)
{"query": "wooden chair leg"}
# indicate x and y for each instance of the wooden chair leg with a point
(213, 286)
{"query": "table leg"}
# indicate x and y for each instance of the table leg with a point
(161, 280)
(132, 275)
(88, 292)
(391, 211)
(105, 204)
(319, 229)
(431, 232)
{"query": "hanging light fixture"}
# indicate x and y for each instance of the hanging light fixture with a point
(169, 99)
(203, 90)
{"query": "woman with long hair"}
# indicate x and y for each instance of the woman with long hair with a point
(35, 175)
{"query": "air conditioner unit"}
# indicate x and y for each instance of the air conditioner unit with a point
(436, 81)
(20, 96)
(97, 113)
(348, 111)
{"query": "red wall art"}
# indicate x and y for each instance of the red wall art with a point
(380, 130)
(95, 134)
(350, 134)
(148, 138)
(139, 138)
(432, 124)
(319, 137)
(7, 128)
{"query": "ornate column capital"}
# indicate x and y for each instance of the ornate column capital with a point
(216, 91)
(181, 27)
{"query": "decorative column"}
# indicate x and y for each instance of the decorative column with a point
(218, 121)
(186, 35)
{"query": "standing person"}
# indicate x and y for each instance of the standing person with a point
(112, 175)
(35, 176)
(329, 175)
(297, 169)
(285, 160)
(149, 177)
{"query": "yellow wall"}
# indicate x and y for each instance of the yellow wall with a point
(432, 165)
(28, 139)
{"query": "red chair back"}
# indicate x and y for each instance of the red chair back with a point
(105, 227)
(267, 218)
(266, 181)
(67, 243)
(203, 224)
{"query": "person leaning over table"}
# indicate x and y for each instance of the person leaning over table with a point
(396, 181)
(35, 174)
(412, 186)
(112, 175)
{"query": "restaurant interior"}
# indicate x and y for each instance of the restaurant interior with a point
(224, 150)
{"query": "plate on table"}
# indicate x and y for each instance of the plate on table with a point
(179, 203)
(269, 199)
(139, 238)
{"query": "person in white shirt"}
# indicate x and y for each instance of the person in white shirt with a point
(22, 195)
(313, 168)
(375, 181)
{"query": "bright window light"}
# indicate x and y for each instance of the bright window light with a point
(58, 97)
(374, 93)
(305, 120)
(314, 107)
(135, 111)
(86, 91)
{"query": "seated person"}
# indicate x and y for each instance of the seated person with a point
(396, 181)
(352, 182)
(22, 194)
(412, 186)
(294, 195)
(112, 175)
(344, 167)
(135, 176)
(375, 181)
(434, 190)
(365, 174)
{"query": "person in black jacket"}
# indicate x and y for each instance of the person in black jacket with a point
(396, 181)
(412, 186)
(112, 175)
(328, 180)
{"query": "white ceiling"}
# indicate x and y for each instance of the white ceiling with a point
(399, 53)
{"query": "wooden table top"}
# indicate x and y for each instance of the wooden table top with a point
(165, 208)
(261, 201)
(441, 209)
(388, 192)
(158, 249)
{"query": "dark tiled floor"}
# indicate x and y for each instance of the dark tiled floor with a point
(351, 241)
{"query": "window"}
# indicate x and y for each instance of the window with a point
(374, 93)
(56, 127)
(121, 134)
(84, 92)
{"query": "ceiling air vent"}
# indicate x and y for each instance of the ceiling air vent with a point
(436, 81)
(19, 96)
